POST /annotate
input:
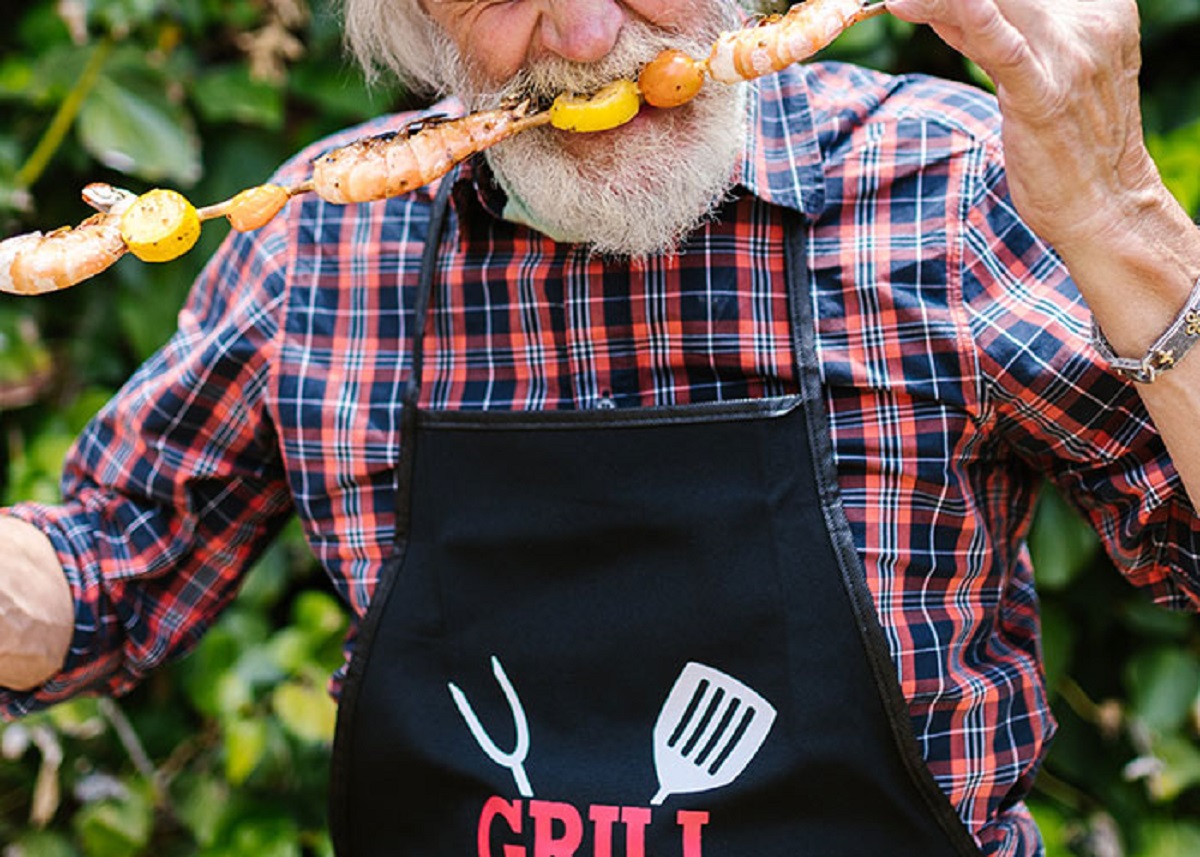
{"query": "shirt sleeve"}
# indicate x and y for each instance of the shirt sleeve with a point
(1055, 403)
(175, 487)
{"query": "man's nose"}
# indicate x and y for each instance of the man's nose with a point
(581, 30)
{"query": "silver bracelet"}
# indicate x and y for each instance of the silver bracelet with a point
(1166, 351)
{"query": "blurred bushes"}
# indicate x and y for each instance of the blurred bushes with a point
(226, 752)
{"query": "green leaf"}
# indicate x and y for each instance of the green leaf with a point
(340, 93)
(235, 692)
(1150, 620)
(43, 843)
(121, 16)
(1054, 825)
(864, 37)
(291, 648)
(319, 843)
(979, 77)
(319, 613)
(245, 747)
(26, 365)
(1170, 839)
(42, 27)
(1058, 642)
(139, 132)
(230, 94)
(267, 837)
(236, 14)
(1061, 543)
(77, 413)
(16, 77)
(202, 669)
(1163, 684)
(306, 711)
(42, 80)
(149, 301)
(35, 474)
(1179, 771)
(115, 828)
(1170, 13)
(78, 717)
(203, 806)
(268, 580)
(1177, 156)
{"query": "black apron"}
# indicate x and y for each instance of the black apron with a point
(627, 632)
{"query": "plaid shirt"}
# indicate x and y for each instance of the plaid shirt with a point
(951, 342)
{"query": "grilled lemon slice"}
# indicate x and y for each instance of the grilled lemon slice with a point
(613, 105)
(160, 225)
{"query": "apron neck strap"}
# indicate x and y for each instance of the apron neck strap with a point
(433, 241)
(796, 275)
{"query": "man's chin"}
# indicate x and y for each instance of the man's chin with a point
(634, 190)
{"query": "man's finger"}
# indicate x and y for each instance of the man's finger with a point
(982, 31)
(933, 13)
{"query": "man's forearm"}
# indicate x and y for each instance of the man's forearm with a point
(37, 613)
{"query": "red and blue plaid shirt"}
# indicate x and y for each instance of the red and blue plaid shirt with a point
(951, 342)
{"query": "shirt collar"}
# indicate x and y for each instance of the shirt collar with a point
(781, 162)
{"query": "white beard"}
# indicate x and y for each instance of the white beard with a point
(633, 191)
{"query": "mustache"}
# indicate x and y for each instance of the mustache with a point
(543, 79)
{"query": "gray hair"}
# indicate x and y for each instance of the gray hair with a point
(399, 37)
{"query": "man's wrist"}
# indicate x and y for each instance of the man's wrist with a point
(1138, 274)
(1166, 352)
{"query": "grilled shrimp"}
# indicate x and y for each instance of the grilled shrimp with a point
(35, 263)
(391, 164)
(397, 162)
(780, 40)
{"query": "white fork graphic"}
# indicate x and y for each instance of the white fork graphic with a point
(515, 760)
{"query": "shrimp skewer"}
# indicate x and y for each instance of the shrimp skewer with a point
(391, 164)
(394, 163)
(772, 44)
(36, 263)
(369, 169)
(780, 40)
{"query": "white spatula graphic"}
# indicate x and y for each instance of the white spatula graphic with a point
(707, 732)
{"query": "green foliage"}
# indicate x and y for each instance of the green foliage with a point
(224, 753)
(1124, 771)
(227, 751)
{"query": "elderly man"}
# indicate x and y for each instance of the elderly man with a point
(677, 474)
